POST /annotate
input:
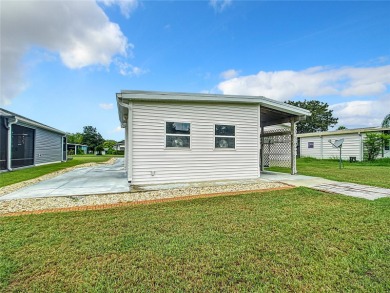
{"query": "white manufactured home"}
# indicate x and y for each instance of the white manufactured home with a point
(317, 145)
(183, 137)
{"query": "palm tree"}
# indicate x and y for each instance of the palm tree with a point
(386, 121)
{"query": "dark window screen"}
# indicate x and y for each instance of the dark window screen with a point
(3, 144)
(22, 146)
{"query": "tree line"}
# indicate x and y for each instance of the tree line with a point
(93, 139)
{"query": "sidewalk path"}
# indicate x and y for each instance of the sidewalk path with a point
(344, 188)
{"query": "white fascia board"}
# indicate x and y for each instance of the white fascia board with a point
(211, 98)
(121, 110)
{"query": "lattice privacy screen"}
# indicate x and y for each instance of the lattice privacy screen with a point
(277, 148)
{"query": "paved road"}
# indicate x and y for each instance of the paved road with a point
(344, 188)
(99, 179)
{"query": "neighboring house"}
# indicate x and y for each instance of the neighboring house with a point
(120, 146)
(182, 137)
(73, 148)
(317, 144)
(25, 142)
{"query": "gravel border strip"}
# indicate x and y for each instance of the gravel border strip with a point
(142, 202)
(13, 187)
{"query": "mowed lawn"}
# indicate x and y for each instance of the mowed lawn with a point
(8, 178)
(375, 173)
(290, 240)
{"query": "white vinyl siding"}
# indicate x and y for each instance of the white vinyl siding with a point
(324, 150)
(202, 161)
(314, 152)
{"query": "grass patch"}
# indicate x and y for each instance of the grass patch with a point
(290, 240)
(375, 173)
(8, 178)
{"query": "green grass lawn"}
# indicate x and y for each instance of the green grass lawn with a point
(376, 173)
(291, 240)
(8, 178)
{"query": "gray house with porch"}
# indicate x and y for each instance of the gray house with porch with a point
(25, 142)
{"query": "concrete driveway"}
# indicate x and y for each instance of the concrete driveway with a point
(98, 179)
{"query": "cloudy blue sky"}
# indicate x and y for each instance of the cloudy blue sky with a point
(63, 61)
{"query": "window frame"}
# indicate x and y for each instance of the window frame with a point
(226, 136)
(176, 134)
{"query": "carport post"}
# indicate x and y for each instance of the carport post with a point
(126, 150)
(130, 143)
(262, 149)
(293, 148)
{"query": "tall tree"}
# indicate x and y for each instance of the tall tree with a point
(75, 137)
(321, 117)
(92, 138)
(109, 145)
(386, 121)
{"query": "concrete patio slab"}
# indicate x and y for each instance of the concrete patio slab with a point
(100, 179)
(294, 180)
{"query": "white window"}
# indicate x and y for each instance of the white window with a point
(177, 135)
(225, 136)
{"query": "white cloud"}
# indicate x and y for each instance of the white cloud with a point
(79, 31)
(220, 5)
(362, 113)
(312, 82)
(126, 6)
(106, 106)
(127, 69)
(119, 129)
(228, 74)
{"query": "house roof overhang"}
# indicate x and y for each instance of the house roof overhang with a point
(31, 122)
(345, 131)
(271, 112)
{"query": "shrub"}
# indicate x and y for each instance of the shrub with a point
(373, 145)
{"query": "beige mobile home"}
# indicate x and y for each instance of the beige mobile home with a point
(183, 137)
(317, 145)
